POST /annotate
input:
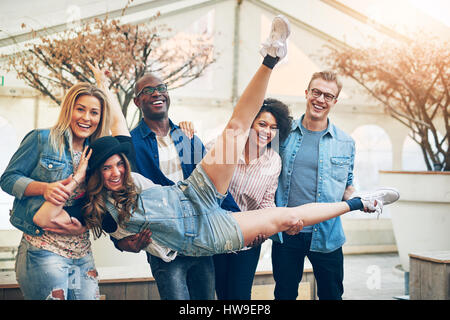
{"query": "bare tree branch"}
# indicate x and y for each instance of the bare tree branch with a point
(128, 51)
(411, 81)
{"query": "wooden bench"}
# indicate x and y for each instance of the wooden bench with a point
(136, 283)
(264, 285)
(429, 275)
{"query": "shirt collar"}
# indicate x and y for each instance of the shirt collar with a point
(297, 125)
(146, 131)
(262, 157)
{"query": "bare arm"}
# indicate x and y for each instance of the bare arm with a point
(119, 125)
(55, 192)
(51, 216)
(49, 212)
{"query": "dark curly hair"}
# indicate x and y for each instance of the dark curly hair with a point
(282, 115)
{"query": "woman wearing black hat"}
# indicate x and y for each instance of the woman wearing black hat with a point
(40, 170)
(186, 218)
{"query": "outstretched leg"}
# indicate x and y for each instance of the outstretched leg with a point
(220, 162)
(272, 220)
(269, 221)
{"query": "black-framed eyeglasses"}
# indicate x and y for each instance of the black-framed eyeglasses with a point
(149, 90)
(316, 93)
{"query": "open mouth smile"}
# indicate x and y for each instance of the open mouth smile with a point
(158, 103)
(317, 107)
(84, 126)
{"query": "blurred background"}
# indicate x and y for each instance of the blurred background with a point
(230, 33)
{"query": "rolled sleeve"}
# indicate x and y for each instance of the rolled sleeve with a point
(19, 187)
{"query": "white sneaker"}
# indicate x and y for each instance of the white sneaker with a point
(375, 200)
(275, 45)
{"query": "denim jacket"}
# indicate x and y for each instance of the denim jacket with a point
(35, 160)
(335, 174)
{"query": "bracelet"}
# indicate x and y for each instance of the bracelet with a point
(77, 183)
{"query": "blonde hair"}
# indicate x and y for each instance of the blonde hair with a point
(327, 76)
(62, 130)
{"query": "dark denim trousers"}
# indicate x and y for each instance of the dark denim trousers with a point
(288, 262)
(235, 273)
(185, 278)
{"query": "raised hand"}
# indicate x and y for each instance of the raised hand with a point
(119, 126)
(99, 74)
(80, 175)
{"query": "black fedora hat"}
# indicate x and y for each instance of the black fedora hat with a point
(105, 147)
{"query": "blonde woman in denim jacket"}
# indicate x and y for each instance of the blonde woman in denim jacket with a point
(56, 264)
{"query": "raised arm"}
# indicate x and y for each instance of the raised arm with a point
(219, 163)
(119, 125)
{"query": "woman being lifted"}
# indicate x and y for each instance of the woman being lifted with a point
(186, 218)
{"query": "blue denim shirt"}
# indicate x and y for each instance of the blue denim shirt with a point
(34, 160)
(335, 174)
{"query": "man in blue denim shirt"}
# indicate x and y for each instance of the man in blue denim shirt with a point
(317, 160)
(165, 155)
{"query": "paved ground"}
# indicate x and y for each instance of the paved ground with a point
(366, 276)
(373, 277)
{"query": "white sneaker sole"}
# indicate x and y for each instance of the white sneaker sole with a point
(392, 195)
(281, 22)
(275, 45)
(385, 195)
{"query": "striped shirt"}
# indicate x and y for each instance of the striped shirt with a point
(253, 185)
(169, 161)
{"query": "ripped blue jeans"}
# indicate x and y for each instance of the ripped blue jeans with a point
(44, 275)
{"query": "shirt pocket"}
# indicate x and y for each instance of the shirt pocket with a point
(51, 169)
(339, 168)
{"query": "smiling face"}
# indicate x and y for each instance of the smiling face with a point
(317, 109)
(264, 129)
(113, 172)
(86, 115)
(154, 106)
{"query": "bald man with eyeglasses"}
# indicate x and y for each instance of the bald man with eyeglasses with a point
(165, 155)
